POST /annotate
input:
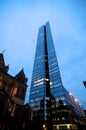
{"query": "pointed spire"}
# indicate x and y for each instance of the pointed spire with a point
(2, 64)
(21, 77)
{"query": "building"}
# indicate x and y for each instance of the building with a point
(46, 84)
(13, 112)
(66, 118)
(84, 82)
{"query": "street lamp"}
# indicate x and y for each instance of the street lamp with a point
(44, 127)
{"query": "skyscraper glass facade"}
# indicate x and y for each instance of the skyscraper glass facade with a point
(46, 76)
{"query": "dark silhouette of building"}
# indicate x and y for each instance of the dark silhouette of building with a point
(14, 114)
(46, 81)
(84, 82)
(66, 118)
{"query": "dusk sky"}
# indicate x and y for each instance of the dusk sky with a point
(19, 24)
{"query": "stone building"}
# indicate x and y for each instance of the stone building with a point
(12, 96)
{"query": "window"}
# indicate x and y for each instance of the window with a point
(14, 91)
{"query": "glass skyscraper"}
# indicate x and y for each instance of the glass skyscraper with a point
(46, 79)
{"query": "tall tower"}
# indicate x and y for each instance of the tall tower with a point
(46, 78)
(2, 64)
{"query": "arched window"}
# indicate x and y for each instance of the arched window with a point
(14, 91)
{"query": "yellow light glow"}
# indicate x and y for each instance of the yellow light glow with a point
(68, 126)
(1, 78)
(14, 91)
(38, 84)
(44, 126)
(39, 80)
(76, 100)
(46, 79)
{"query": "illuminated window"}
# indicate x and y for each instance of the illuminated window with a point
(58, 119)
(50, 83)
(0, 81)
(63, 118)
(38, 84)
(40, 81)
(46, 79)
(14, 91)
